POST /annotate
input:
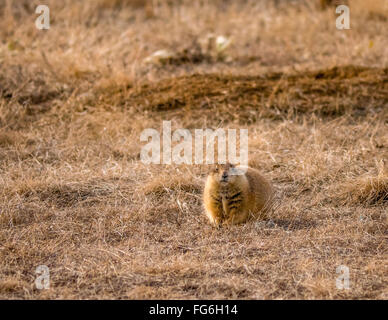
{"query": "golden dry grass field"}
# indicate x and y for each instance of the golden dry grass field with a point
(75, 196)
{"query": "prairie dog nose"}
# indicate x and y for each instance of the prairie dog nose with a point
(224, 175)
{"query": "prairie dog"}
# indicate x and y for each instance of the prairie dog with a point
(234, 194)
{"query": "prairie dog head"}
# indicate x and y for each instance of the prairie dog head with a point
(226, 174)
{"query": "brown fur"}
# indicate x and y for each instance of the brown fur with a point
(231, 198)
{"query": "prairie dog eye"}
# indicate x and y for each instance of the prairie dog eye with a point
(215, 169)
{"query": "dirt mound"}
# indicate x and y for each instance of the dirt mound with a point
(69, 195)
(27, 88)
(329, 93)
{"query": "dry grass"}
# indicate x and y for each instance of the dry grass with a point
(74, 195)
(367, 189)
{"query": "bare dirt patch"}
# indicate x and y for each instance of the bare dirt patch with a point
(331, 92)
